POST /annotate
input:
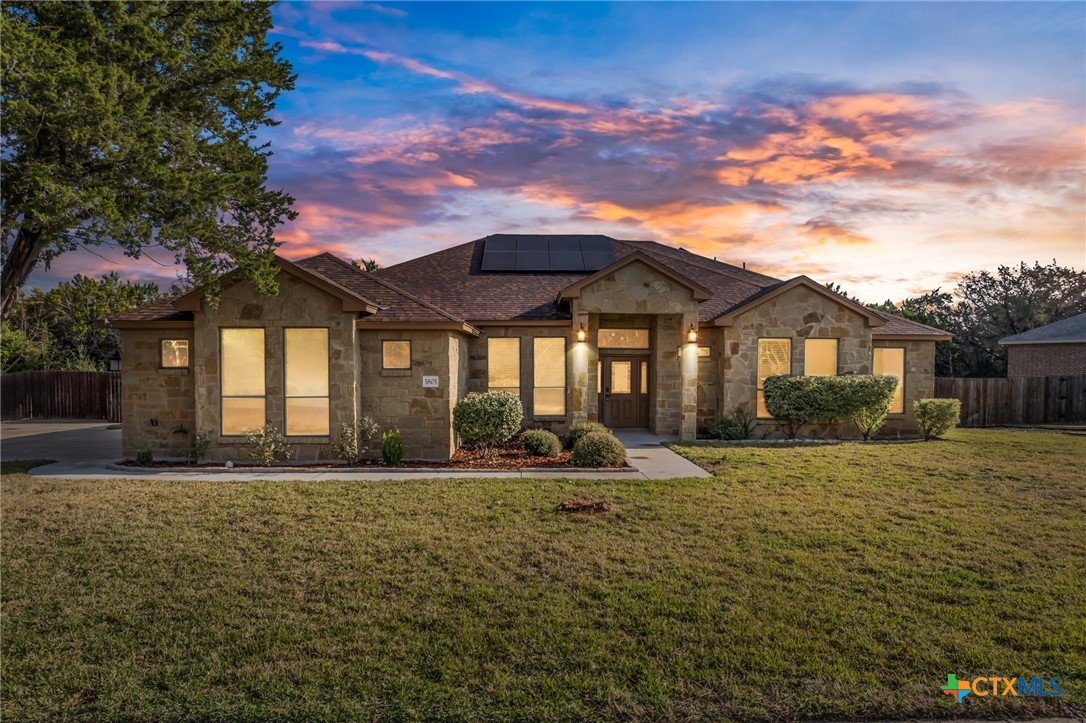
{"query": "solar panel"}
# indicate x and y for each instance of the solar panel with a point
(540, 253)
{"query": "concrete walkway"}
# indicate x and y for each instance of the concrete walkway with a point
(84, 450)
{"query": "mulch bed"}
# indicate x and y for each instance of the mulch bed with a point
(510, 456)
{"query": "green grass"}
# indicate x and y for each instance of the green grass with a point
(19, 466)
(830, 582)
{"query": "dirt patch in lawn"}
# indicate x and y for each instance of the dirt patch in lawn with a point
(587, 506)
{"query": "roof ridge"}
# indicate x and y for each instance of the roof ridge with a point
(701, 262)
(393, 287)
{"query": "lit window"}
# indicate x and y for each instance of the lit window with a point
(704, 352)
(306, 356)
(175, 353)
(891, 362)
(820, 357)
(621, 377)
(774, 360)
(549, 389)
(396, 355)
(503, 365)
(644, 377)
(623, 339)
(242, 380)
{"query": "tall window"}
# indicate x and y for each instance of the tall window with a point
(774, 360)
(549, 371)
(820, 357)
(891, 362)
(306, 390)
(503, 365)
(242, 356)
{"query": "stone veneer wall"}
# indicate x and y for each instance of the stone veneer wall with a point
(298, 304)
(709, 375)
(919, 383)
(395, 398)
(477, 368)
(1045, 360)
(150, 392)
(797, 314)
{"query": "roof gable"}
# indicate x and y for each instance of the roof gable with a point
(573, 291)
(351, 300)
(1071, 330)
(873, 318)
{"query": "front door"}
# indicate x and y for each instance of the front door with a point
(625, 394)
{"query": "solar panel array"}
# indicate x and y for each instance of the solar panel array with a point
(507, 252)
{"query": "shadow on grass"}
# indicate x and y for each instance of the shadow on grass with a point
(21, 466)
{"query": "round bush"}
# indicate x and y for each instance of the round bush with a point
(541, 443)
(487, 419)
(580, 429)
(598, 449)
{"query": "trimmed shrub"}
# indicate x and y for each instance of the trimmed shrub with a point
(268, 446)
(738, 426)
(541, 443)
(145, 457)
(598, 449)
(936, 417)
(354, 439)
(392, 447)
(487, 420)
(580, 429)
(796, 401)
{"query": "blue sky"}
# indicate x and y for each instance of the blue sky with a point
(889, 147)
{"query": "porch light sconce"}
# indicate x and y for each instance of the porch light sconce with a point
(692, 335)
(582, 334)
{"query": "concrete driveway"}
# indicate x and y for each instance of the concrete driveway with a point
(75, 445)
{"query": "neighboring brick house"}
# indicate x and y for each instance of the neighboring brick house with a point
(1053, 350)
(629, 333)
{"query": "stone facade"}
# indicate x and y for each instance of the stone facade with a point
(919, 383)
(396, 399)
(298, 304)
(1045, 360)
(158, 406)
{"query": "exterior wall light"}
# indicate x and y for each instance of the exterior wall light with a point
(582, 334)
(692, 335)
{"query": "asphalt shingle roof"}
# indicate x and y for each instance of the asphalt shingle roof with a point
(1069, 330)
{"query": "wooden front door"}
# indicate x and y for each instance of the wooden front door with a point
(625, 397)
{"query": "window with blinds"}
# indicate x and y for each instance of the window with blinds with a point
(549, 371)
(503, 365)
(243, 403)
(820, 357)
(306, 358)
(774, 360)
(891, 362)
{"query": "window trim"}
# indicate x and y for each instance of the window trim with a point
(222, 416)
(904, 376)
(836, 355)
(758, 390)
(328, 338)
(162, 355)
(410, 355)
(565, 379)
(520, 365)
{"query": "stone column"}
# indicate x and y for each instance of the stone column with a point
(582, 370)
(688, 381)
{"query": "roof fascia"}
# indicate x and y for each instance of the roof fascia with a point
(728, 317)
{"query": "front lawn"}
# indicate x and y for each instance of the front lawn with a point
(817, 582)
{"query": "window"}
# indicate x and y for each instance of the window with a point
(623, 339)
(306, 360)
(820, 357)
(549, 389)
(175, 353)
(396, 355)
(644, 377)
(774, 360)
(503, 365)
(621, 377)
(891, 362)
(705, 352)
(242, 380)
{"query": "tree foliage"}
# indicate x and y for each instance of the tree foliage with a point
(134, 124)
(58, 329)
(797, 401)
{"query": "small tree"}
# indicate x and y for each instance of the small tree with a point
(353, 439)
(487, 420)
(873, 395)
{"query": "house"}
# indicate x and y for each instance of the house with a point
(630, 333)
(1048, 351)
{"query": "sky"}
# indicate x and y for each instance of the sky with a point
(888, 147)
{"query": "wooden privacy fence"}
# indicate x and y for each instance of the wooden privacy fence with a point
(61, 395)
(1021, 400)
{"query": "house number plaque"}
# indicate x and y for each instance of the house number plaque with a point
(429, 382)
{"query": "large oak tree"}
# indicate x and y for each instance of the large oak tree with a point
(134, 124)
